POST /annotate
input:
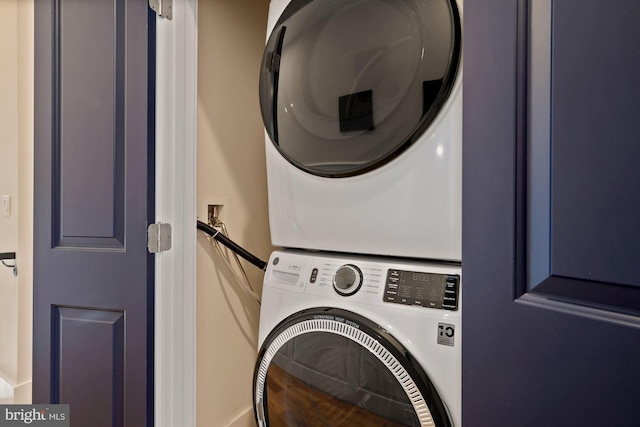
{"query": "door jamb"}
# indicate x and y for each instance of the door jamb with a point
(176, 197)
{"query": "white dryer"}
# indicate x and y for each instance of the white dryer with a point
(358, 340)
(362, 106)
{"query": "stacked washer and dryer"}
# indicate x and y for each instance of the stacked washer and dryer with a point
(361, 310)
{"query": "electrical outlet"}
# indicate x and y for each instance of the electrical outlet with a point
(6, 205)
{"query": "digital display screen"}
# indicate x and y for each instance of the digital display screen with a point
(425, 287)
(422, 289)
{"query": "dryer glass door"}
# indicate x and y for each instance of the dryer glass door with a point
(345, 86)
(331, 367)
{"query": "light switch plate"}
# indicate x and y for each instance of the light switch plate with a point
(6, 205)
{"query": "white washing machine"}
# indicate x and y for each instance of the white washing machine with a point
(362, 106)
(358, 340)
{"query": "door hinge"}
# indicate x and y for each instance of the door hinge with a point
(163, 8)
(159, 237)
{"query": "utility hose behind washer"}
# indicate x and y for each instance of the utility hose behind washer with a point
(216, 234)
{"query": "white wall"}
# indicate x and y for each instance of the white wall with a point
(231, 169)
(16, 171)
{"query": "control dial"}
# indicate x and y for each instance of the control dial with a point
(347, 280)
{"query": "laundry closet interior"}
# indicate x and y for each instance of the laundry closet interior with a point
(338, 146)
(231, 172)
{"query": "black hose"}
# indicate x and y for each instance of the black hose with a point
(232, 245)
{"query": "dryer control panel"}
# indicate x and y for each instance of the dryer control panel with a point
(423, 289)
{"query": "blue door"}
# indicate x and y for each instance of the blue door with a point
(93, 276)
(551, 217)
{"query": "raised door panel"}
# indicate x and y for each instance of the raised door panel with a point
(550, 231)
(93, 276)
(583, 240)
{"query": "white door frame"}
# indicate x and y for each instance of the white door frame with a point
(176, 197)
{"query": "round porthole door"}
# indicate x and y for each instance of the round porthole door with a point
(346, 86)
(330, 367)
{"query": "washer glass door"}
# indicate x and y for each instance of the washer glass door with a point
(328, 367)
(346, 85)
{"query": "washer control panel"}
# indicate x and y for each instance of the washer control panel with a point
(423, 289)
(367, 280)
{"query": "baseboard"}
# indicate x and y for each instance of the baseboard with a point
(22, 393)
(19, 394)
(246, 419)
(6, 391)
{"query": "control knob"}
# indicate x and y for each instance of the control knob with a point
(347, 280)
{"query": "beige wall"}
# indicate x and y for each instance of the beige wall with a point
(16, 171)
(231, 170)
(9, 186)
(25, 192)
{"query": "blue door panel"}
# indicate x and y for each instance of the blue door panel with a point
(595, 141)
(551, 316)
